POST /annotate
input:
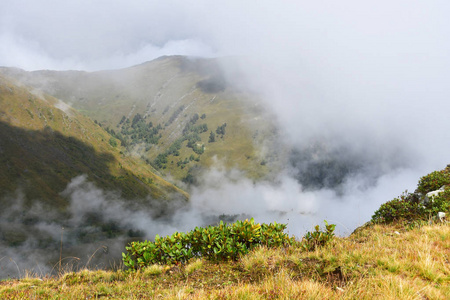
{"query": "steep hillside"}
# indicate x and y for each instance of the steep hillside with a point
(182, 110)
(59, 171)
(45, 143)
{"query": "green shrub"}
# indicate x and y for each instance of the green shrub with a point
(433, 181)
(407, 208)
(402, 208)
(222, 242)
(318, 238)
(113, 142)
(439, 203)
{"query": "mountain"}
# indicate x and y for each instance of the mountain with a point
(87, 152)
(178, 114)
(49, 152)
(45, 143)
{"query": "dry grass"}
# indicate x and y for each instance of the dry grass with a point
(373, 263)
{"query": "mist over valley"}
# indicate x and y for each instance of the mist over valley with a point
(307, 113)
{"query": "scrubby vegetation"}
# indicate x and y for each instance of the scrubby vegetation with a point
(222, 242)
(136, 131)
(191, 134)
(376, 262)
(384, 259)
(434, 181)
(414, 207)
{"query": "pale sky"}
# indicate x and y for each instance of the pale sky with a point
(50, 34)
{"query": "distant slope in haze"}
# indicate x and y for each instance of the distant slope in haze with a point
(169, 94)
(43, 147)
(64, 180)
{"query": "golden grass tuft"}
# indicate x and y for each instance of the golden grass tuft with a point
(193, 266)
(153, 270)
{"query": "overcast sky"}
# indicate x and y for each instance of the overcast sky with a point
(104, 34)
(371, 74)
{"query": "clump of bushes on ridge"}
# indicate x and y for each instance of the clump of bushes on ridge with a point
(411, 207)
(433, 181)
(216, 243)
(222, 242)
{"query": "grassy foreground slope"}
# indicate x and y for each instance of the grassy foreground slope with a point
(377, 262)
(397, 255)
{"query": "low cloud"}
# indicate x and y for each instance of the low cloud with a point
(367, 82)
(97, 224)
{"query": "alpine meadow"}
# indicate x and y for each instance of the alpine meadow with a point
(228, 150)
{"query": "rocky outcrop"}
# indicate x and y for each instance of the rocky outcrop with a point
(429, 196)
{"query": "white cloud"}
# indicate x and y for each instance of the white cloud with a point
(95, 35)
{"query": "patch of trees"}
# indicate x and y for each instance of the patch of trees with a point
(160, 161)
(192, 174)
(191, 127)
(192, 139)
(183, 163)
(174, 149)
(137, 131)
(175, 115)
(191, 134)
(200, 128)
(212, 137)
(221, 129)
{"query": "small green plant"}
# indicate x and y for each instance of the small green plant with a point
(113, 142)
(222, 242)
(433, 181)
(317, 238)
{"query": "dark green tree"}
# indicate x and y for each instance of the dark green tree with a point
(212, 137)
(221, 129)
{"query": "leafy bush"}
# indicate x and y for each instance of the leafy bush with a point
(221, 129)
(402, 208)
(318, 238)
(409, 208)
(433, 181)
(439, 203)
(222, 242)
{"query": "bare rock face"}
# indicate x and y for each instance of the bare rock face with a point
(441, 216)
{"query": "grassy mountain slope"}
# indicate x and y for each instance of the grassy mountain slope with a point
(377, 262)
(169, 92)
(44, 147)
(44, 144)
(398, 255)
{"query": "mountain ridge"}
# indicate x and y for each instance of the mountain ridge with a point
(169, 92)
